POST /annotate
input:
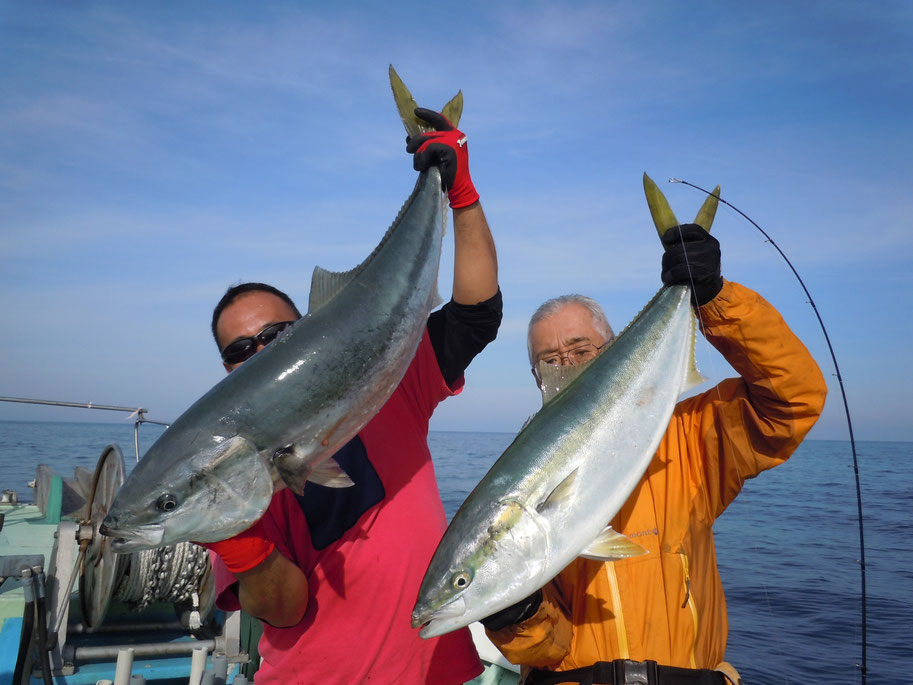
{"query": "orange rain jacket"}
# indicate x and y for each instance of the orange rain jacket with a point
(668, 605)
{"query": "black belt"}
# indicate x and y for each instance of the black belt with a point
(627, 672)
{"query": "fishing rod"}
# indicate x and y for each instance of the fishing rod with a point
(846, 405)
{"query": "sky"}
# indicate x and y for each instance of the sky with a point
(152, 154)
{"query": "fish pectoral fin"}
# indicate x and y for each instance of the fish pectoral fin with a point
(293, 465)
(329, 474)
(612, 546)
(563, 492)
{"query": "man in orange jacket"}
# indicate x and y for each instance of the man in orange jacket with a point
(661, 617)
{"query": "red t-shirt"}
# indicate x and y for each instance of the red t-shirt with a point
(365, 550)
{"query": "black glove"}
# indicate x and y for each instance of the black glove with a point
(447, 148)
(692, 258)
(516, 613)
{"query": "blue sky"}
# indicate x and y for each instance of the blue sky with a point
(153, 154)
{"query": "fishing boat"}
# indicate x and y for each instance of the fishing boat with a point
(73, 612)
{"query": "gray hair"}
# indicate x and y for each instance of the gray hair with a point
(552, 306)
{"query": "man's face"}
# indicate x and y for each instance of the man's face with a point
(249, 314)
(567, 329)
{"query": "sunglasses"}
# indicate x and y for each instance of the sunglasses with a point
(243, 349)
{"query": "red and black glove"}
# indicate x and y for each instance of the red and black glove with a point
(245, 550)
(445, 147)
(692, 257)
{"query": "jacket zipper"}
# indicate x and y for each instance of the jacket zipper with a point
(621, 632)
(689, 603)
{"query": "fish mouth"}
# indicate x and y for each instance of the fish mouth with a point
(134, 539)
(445, 619)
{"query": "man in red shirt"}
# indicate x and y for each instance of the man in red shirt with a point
(333, 575)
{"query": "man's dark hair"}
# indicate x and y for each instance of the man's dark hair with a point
(235, 291)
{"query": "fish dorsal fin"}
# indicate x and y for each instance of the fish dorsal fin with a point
(562, 493)
(325, 285)
(663, 216)
(556, 378)
(405, 105)
(707, 212)
(611, 546)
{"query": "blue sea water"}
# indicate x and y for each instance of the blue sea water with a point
(788, 547)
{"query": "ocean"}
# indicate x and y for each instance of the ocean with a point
(788, 547)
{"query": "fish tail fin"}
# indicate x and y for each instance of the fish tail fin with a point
(453, 110)
(405, 105)
(707, 212)
(612, 546)
(664, 217)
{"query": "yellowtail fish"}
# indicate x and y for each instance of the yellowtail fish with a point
(277, 420)
(550, 495)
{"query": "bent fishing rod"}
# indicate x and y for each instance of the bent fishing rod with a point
(846, 406)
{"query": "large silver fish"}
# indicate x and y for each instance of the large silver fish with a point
(278, 419)
(549, 497)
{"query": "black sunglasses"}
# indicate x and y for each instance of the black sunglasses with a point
(243, 349)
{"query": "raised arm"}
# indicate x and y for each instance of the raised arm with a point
(475, 268)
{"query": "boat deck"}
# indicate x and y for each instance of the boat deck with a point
(28, 536)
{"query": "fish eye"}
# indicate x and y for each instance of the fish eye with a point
(461, 580)
(166, 503)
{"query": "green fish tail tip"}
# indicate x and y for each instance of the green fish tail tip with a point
(663, 216)
(405, 105)
(707, 212)
(453, 110)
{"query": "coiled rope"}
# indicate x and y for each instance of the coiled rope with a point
(173, 573)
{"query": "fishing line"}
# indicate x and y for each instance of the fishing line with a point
(701, 325)
(846, 407)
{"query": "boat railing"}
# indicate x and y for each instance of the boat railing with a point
(138, 413)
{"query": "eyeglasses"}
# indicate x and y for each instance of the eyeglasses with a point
(574, 356)
(243, 349)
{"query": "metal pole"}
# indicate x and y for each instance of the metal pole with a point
(142, 649)
(82, 405)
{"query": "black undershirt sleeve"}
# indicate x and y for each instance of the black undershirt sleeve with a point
(458, 332)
